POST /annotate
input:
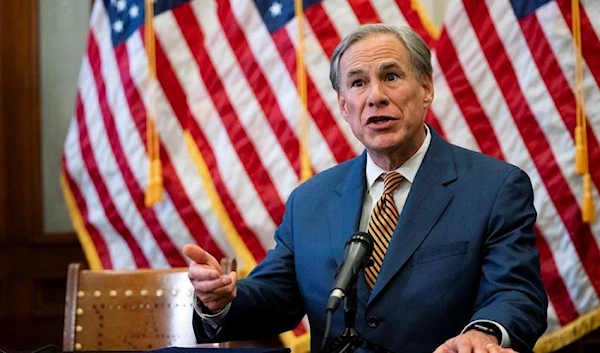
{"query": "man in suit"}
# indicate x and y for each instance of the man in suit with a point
(455, 267)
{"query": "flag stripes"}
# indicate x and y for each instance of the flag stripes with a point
(591, 81)
(172, 256)
(555, 287)
(588, 36)
(329, 31)
(179, 205)
(466, 99)
(243, 146)
(89, 201)
(117, 222)
(341, 149)
(413, 18)
(225, 167)
(257, 83)
(564, 100)
(276, 72)
(94, 235)
(317, 68)
(318, 18)
(177, 99)
(365, 12)
(182, 239)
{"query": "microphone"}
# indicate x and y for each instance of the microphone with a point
(358, 251)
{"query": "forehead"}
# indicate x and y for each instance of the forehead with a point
(374, 49)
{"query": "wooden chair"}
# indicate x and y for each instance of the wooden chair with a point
(128, 310)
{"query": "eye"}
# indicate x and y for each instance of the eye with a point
(357, 83)
(391, 77)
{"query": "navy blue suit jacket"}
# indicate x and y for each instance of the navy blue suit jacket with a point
(463, 249)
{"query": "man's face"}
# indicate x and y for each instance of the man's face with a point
(382, 98)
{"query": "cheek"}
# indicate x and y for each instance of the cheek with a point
(349, 111)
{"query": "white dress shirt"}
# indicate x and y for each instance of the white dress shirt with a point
(408, 170)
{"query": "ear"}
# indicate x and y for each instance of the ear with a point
(342, 105)
(427, 85)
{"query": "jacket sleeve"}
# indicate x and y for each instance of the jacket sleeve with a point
(268, 302)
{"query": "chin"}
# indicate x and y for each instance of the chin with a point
(387, 143)
(383, 149)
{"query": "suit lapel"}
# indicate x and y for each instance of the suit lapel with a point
(426, 202)
(344, 216)
(345, 208)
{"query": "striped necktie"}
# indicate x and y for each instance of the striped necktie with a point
(382, 223)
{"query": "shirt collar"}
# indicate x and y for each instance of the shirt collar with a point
(408, 169)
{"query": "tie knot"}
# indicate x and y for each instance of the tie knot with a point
(391, 181)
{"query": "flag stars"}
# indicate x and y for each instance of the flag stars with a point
(121, 5)
(118, 26)
(134, 11)
(275, 9)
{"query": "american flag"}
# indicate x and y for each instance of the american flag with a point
(229, 117)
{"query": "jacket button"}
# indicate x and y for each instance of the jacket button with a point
(373, 321)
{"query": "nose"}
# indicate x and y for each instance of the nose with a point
(377, 96)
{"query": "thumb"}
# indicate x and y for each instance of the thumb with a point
(200, 256)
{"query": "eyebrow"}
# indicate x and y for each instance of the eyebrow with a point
(355, 72)
(385, 66)
(389, 65)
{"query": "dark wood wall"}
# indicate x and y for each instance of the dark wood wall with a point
(33, 263)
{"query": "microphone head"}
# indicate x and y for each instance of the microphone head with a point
(359, 247)
(363, 243)
(357, 252)
(362, 237)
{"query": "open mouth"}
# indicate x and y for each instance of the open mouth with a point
(379, 120)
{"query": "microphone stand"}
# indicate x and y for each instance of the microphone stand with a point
(349, 340)
(350, 334)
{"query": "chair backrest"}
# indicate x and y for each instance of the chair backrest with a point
(127, 310)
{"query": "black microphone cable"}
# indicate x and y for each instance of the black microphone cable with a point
(328, 320)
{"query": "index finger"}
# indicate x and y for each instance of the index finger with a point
(200, 256)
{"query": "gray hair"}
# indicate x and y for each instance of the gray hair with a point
(420, 56)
